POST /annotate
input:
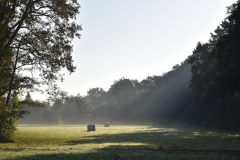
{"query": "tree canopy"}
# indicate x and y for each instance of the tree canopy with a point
(39, 33)
(35, 37)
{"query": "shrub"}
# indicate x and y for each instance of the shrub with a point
(9, 116)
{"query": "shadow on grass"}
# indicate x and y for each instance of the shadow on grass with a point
(143, 137)
(150, 136)
(154, 143)
(68, 156)
(157, 137)
(116, 152)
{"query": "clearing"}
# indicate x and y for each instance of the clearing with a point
(120, 143)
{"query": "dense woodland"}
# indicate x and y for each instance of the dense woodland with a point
(202, 90)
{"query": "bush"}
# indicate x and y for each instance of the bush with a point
(9, 116)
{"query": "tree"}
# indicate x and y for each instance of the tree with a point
(122, 92)
(74, 110)
(215, 75)
(35, 37)
(9, 116)
(226, 52)
(5, 71)
(96, 97)
(40, 34)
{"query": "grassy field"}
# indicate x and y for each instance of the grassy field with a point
(120, 143)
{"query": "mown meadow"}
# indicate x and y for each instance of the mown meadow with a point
(120, 143)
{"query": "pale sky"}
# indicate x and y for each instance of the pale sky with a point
(137, 38)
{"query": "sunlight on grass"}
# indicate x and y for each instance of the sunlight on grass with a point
(74, 141)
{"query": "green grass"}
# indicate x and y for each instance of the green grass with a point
(120, 143)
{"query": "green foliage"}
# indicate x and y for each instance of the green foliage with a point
(34, 35)
(66, 109)
(5, 70)
(9, 116)
(122, 92)
(95, 98)
(215, 75)
(157, 98)
(39, 34)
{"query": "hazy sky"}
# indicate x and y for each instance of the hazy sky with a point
(137, 38)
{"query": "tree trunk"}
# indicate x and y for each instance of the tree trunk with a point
(12, 78)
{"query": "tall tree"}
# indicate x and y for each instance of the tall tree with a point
(122, 92)
(35, 37)
(215, 74)
(39, 33)
(96, 97)
(227, 54)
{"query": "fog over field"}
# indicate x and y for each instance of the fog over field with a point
(126, 102)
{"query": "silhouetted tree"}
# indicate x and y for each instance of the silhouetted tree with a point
(96, 97)
(215, 75)
(40, 34)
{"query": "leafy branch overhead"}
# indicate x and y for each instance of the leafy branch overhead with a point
(35, 37)
(40, 33)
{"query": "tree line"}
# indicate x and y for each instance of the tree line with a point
(126, 101)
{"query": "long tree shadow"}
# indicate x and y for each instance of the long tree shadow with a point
(148, 136)
(144, 137)
(116, 152)
(68, 156)
(154, 143)
(167, 137)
